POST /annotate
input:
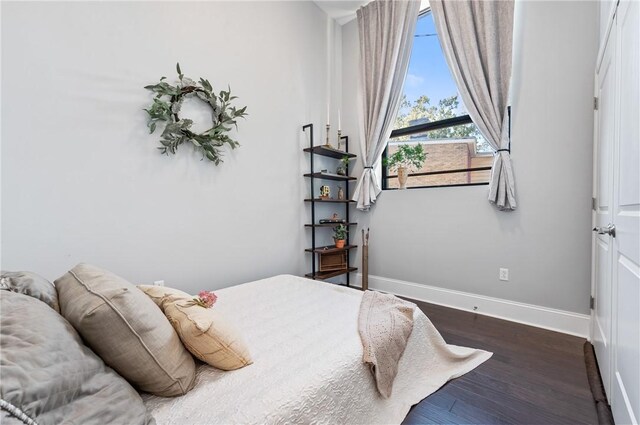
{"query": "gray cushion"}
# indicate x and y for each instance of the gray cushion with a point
(31, 284)
(49, 375)
(127, 330)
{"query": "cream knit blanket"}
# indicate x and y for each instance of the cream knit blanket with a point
(385, 323)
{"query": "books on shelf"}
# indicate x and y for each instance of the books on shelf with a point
(332, 221)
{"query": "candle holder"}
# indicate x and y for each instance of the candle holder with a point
(327, 143)
(340, 140)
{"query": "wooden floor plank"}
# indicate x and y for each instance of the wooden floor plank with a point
(564, 403)
(535, 376)
(433, 415)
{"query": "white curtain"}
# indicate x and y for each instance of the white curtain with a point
(386, 30)
(477, 37)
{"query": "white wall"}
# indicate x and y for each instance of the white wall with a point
(452, 237)
(81, 178)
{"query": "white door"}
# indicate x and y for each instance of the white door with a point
(625, 385)
(603, 193)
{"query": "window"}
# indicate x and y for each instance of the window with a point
(432, 115)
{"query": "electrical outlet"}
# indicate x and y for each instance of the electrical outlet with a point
(159, 283)
(504, 274)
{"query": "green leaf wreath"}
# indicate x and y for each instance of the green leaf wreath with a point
(166, 107)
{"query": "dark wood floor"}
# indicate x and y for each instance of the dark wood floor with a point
(535, 376)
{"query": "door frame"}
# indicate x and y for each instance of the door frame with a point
(594, 180)
(595, 197)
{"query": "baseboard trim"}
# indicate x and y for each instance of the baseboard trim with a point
(542, 317)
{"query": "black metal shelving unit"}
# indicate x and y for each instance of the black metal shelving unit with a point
(330, 152)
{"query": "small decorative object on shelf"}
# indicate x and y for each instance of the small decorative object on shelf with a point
(325, 192)
(340, 235)
(343, 168)
(330, 261)
(327, 143)
(335, 218)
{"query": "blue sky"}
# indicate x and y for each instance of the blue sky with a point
(428, 70)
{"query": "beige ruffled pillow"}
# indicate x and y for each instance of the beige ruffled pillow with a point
(202, 330)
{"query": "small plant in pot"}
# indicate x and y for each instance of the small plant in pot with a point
(343, 168)
(340, 235)
(406, 158)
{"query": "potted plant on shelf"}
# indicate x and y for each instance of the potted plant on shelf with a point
(340, 235)
(405, 158)
(343, 168)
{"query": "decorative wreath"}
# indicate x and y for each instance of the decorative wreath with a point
(166, 107)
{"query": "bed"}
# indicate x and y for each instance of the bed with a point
(307, 362)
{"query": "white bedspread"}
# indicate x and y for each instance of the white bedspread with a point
(303, 336)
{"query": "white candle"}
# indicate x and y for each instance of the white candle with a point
(339, 121)
(328, 110)
(329, 68)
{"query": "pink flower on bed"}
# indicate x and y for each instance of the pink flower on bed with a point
(206, 299)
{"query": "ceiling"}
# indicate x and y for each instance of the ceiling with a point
(344, 11)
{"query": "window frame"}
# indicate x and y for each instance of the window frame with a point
(422, 128)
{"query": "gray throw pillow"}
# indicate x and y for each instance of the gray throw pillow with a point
(127, 330)
(50, 377)
(31, 284)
